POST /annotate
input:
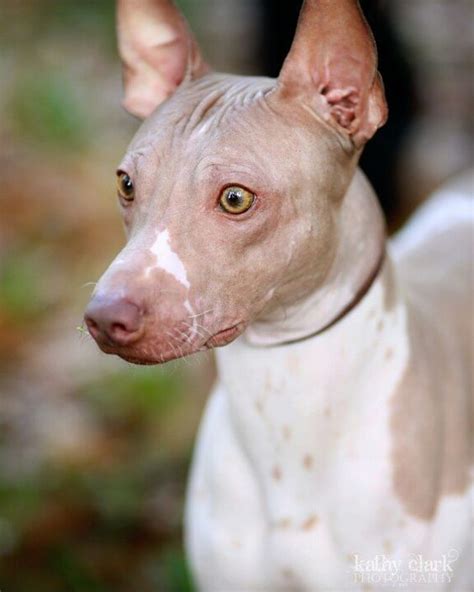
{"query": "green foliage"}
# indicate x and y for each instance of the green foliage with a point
(177, 573)
(20, 501)
(43, 109)
(111, 504)
(117, 496)
(75, 574)
(135, 392)
(44, 19)
(21, 297)
(171, 573)
(93, 16)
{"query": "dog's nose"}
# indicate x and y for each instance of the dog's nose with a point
(115, 321)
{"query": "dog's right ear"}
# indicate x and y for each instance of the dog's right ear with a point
(332, 69)
(157, 50)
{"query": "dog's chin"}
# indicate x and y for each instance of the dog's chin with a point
(146, 354)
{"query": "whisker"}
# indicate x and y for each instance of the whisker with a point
(200, 314)
(176, 339)
(195, 329)
(83, 332)
(181, 353)
(197, 325)
(171, 344)
(187, 338)
(191, 328)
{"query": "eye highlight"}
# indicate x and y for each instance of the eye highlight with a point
(236, 200)
(125, 187)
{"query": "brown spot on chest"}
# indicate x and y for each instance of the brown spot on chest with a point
(310, 522)
(283, 523)
(429, 425)
(308, 461)
(276, 473)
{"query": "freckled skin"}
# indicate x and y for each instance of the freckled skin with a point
(310, 522)
(276, 473)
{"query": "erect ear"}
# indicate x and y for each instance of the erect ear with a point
(332, 65)
(157, 50)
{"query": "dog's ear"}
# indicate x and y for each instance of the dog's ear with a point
(332, 67)
(157, 50)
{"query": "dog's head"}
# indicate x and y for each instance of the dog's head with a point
(231, 188)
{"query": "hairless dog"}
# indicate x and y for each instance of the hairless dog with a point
(334, 453)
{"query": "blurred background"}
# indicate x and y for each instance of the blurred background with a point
(94, 452)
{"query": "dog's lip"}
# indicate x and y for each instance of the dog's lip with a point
(140, 361)
(225, 336)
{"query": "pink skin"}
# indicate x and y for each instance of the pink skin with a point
(227, 270)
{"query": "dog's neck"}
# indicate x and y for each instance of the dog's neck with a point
(358, 260)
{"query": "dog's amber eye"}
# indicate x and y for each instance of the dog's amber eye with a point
(125, 186)
(236, 200)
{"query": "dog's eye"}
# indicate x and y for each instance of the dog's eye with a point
(236, 200)
(125, 186)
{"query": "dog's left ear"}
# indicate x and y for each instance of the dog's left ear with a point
(332, 67)
(157, 50)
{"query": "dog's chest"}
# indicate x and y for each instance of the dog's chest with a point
(313, 430)
(296, 437)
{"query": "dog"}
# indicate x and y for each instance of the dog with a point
(335, 449)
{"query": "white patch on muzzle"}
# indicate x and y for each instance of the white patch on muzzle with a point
(167, 259)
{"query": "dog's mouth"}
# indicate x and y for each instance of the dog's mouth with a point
(225, 336)
(147, 353)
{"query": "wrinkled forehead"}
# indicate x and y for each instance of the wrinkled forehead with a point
(218, 113)
(210, 97)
